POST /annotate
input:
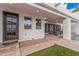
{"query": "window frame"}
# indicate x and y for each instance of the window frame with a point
(29, 19)
(38, 23)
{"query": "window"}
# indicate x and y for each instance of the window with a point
(27, 22)
(38, 23)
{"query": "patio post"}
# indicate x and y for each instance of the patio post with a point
(67, 29)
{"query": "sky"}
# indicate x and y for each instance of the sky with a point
(72, 5)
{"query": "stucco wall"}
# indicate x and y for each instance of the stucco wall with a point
(77, 29)
(73, 28)
(1, 28)
(23, 34)
(28, 34)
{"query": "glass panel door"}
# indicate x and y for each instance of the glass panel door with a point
(11, 27)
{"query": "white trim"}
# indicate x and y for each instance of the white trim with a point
(40, 7)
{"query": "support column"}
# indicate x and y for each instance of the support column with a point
(67, 29)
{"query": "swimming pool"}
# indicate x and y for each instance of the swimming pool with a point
(75, 37)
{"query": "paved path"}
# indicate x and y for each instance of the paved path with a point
(30, 46)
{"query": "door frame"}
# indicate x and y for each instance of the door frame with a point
(4, 23)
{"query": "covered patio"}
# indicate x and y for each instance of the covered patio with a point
(34, 37)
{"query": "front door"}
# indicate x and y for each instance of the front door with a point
(10, 27)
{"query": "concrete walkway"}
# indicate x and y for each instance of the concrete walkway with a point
(27, 47)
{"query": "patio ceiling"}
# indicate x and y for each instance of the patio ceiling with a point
(28, 9)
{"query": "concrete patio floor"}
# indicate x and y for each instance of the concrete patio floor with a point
(30, 46)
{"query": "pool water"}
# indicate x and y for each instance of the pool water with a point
(75, 37)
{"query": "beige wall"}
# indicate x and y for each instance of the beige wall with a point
(29, 34)
(23, 34)
(1, 28)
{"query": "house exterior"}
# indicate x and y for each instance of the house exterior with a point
(22, 22)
